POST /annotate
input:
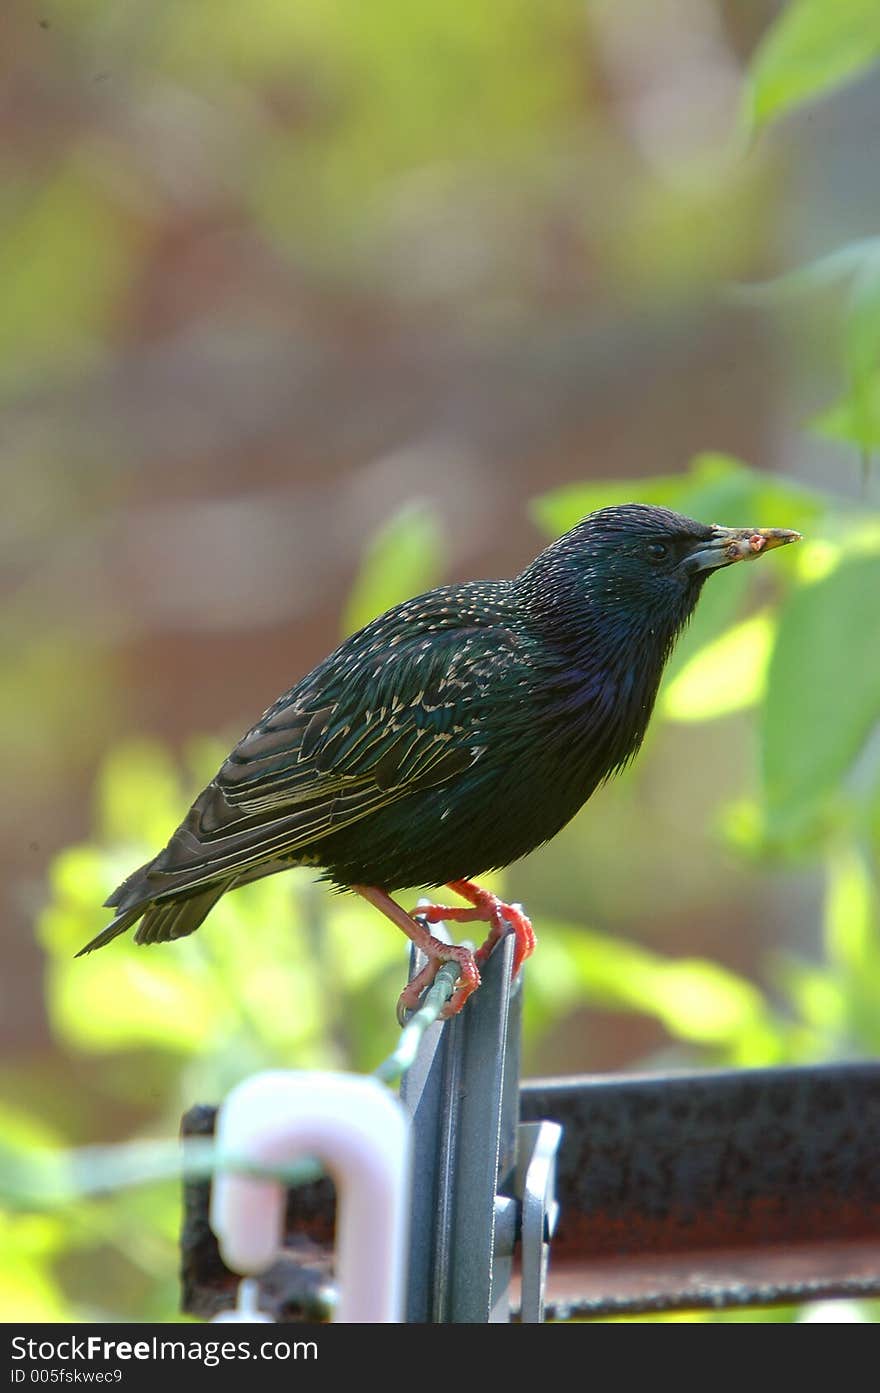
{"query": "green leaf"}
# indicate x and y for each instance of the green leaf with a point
(233, 984)
(726, 675)
(563, 508)
(816, 994)
(62, 300)
(862, 353)
(823, 694)
(873, 814)
(703, 1001)
(695, 999)
(817, 275)
(854, 418)
(716, 488)
(863, 318)
(139, 794)
(403, 559)
(28, 1289)
(815, 45)
(721, 602)
(851, 913)
(118, 1001)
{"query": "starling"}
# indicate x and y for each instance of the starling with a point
(449, 737)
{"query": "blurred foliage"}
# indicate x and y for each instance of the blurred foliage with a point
(813, 47)
(796, 645)
(50, 234)
(403, 559)
(852, 275)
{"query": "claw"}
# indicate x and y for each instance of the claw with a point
(510, 918)
(503, 918)
(468, 980)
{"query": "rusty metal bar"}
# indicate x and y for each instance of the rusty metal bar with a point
(749, 1187)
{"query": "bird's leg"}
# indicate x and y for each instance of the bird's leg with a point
(434, 950)
(503, 918)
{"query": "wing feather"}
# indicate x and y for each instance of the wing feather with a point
(370, 726)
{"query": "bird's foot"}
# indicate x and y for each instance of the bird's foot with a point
(488, 908)
(434, 950)
(509, 918)
(440, 953)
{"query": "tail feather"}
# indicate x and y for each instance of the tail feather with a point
(163, 919)
(169, 919)
(119, 925)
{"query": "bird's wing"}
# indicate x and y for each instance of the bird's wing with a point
(368, 727)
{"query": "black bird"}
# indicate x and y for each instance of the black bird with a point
(448, 737)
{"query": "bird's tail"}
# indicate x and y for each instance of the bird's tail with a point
(163, 919)
(119, 925)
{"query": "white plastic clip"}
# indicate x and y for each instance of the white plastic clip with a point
(246, 1309)
(361, 1133)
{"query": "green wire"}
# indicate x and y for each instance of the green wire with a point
(392, 1069)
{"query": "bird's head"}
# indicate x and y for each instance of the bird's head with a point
(641, 566)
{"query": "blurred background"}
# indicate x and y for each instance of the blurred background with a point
(307, 307)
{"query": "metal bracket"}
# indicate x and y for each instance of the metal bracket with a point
(481, 1179)
(538, 1144)
(463, 1095)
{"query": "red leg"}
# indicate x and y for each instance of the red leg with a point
(503, 918)
(434, 950)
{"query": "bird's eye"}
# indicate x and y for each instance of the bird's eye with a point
(658, 551)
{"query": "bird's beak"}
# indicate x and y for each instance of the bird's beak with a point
(729, 544)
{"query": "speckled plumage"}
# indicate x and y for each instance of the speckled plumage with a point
(450, 736)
